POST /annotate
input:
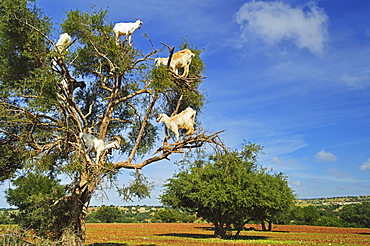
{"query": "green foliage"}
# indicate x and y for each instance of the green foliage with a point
(107, 214)
(36, 197)
(12, 157)
(140, 188)
(19, 41)
(229, 190)
(161, 79)
(334, 215)
(169, 215)
(305, 215)
(329, 221)
(356, 215)
(4, 219)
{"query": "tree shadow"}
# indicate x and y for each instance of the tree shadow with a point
(117, 244)
(206, 228)
(364, 233)
(203, 236)
(211, 228)
(108, 244)
(186, 235)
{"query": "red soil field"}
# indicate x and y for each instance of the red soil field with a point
(153, 234)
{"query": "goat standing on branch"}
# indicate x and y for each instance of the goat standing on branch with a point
(181, 58)
(126, 29)
(183, 120)
(90, 142)
(63, 42)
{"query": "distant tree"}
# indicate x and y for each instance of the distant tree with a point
(328, 216)
(228, 189)
(166, 215)
(187, 217)
(356, 215)
(4, 219)
(143, 217)
(108, 214)
(305, 215)
(328, 221)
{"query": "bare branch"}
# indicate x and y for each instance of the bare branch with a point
(188, 143)
(90, 110)
(122, 121)
(134, 108)
(39, 31)
(103, 82)
(144, 90)
(111, 65)
(178, 105)
(145, 58)
(142, 129)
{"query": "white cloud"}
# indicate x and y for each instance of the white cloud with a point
(273, 22)
(365, 166)
(325, 156)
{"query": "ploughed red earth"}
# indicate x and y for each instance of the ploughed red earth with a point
(202, 234)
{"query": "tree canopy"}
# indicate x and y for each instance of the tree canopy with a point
(229, 190)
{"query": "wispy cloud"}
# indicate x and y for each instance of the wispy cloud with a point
(323, 155)
(277, 160)
(273, 22)
(365, 166)
(338, 173)
(357, 82)
(296, 183)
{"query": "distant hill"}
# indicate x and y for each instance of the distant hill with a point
(344, 200)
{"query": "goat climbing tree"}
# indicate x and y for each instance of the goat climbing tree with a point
(41, 120)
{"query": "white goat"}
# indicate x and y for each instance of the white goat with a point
(63, 42)
(91, 142)
(181, 58)
(126, 29)
(183, 120)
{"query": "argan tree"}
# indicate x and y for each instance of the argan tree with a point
(43, 114)
(229, 190)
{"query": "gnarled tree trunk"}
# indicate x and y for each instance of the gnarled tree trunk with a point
(74, 233)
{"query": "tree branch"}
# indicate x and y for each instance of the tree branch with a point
(144, 58)
(178, 105)
(188, 143)
(142, 129)
(144, 90)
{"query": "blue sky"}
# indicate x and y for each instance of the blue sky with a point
(292, 76)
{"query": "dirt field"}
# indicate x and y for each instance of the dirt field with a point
(201, 234)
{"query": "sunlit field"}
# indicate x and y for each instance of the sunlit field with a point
(202, 234)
